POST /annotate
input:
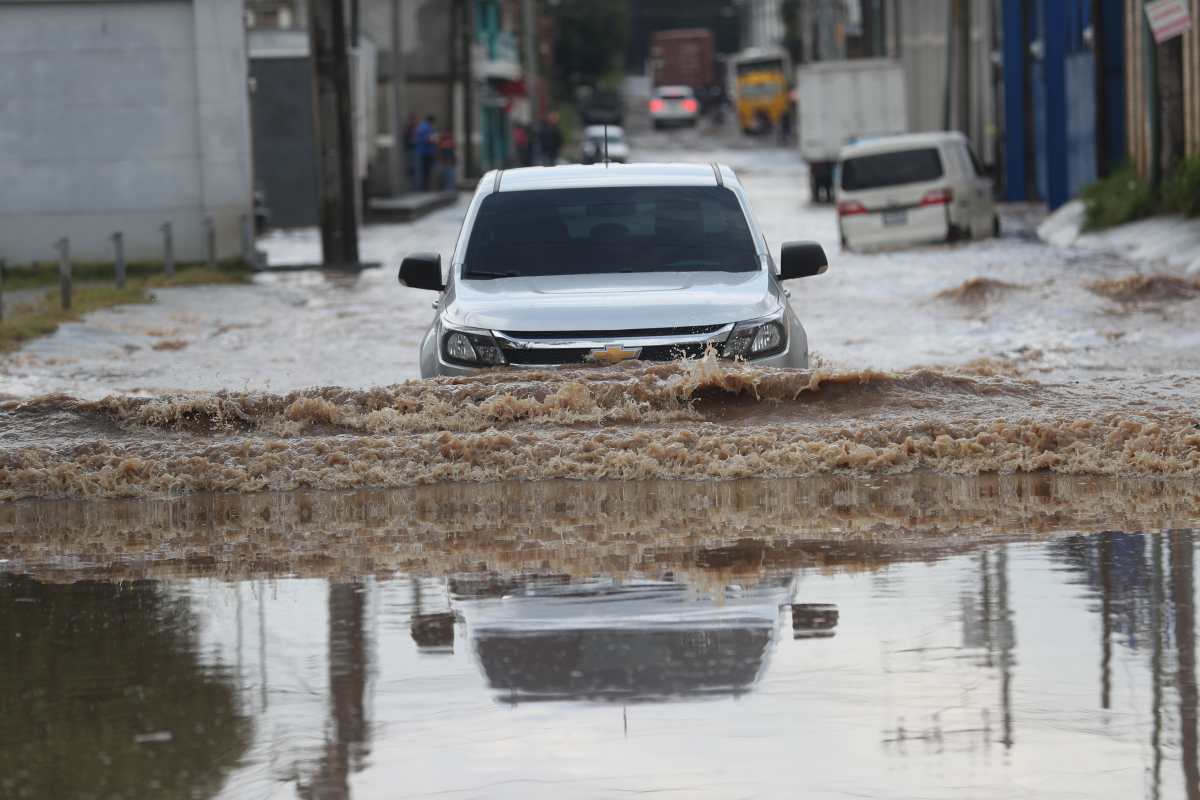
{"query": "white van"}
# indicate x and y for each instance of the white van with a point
(921, 187)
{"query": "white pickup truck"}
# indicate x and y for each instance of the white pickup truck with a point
(842, 101)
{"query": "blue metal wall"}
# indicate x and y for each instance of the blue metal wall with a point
(1050, 75)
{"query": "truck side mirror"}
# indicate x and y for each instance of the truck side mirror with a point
(422, 271)
(801, 260)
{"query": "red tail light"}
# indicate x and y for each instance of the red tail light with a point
(938, 197)
(851, 207)
(690, 105)
(656, 105)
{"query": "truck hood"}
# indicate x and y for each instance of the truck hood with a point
(619, 301)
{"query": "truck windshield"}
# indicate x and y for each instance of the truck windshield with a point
(891, 169)
(609, 230)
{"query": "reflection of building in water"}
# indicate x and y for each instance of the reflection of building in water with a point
(630, 642)
(1116, 568)
(346, 744)
(105, 691)
(1145, 593)
(987, 623)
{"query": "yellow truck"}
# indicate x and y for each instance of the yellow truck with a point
(762, 89)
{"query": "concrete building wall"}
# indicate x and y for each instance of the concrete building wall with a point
(762, 23)
(121, 116)
(924, 27)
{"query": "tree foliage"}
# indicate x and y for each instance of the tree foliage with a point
(592, 36)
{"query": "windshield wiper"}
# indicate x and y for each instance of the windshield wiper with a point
(691, 262)
(485, 275)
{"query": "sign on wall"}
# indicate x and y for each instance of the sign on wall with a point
(1168, 19)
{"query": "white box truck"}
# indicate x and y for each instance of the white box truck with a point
(839, 102)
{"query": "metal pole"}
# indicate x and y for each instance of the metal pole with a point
(399, 78)
(118, 240)
(468, 35)
(1150, 50)
(531, 80)
(168, 250)
(335, 132)
(248, 255)
(210, 242)
(1, 289)
(951, 21)
(452, 72)
(64, 272)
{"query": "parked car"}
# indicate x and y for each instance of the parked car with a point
(603, 264)
(599, 141)
(923, 187)
(674, 105)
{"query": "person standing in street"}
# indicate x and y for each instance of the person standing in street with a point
(521, 145)
(447, 161)
(410, 150)
(550, 139)
(426, 146)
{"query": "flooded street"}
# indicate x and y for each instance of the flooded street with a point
(1012, 305)
(246, 553)
(919, 636)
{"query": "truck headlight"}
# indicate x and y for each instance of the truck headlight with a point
(472, 347)
(757, 338)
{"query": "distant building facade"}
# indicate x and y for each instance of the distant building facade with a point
(122, 116)
(761, 23)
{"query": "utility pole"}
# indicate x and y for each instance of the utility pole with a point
(335, 133)
(531, 79)
(456, 57)
(964, 66)
(399, 77)
(1099, 56)
(951, 21)
(468, 77)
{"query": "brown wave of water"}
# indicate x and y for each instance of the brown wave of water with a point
(641, 394)
(730, 529)
(695, 420)
(1139, 288)
(978, 290)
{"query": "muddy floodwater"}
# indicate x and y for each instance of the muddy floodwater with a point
(246, 553)
(903, 636)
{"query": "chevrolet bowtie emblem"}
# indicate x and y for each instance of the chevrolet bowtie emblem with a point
(615, 353)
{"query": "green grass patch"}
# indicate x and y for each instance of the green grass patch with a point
(43, 316)
(45, 273)
(1123, 197)
(1181, 189)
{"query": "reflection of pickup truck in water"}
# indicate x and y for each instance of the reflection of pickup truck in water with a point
(637, 641)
